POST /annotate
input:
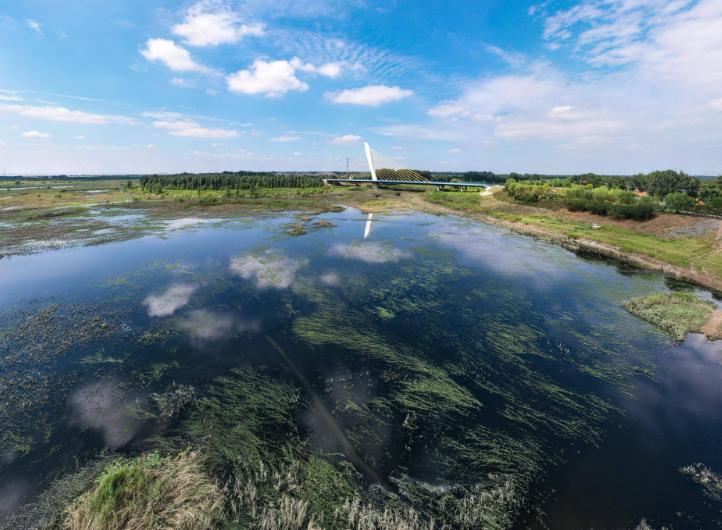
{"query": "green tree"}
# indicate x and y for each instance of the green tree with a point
(711, 189)
(678, 202)
(662, 183)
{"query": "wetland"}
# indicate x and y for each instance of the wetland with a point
(339, 359)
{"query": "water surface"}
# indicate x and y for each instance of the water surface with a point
(431, 352)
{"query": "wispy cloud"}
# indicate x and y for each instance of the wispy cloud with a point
(35, 26)
(63, 114)
(346, 139)
(35, 134)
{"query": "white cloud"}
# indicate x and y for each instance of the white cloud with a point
(63, 114)
(270, 78)
(332, 70)
(34, 25)
(79, 137)
(202, 28)
(483, 100)
(371, 95)
(173, 56)
(169, 301)
(285, 139)
(346, 139)
(514, 59)
(191, 129)
(35, 134)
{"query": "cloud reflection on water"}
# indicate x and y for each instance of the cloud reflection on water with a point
(373, 253)
(504, 253)
(169, 301)
(269, 269)
(105, 407)
(209, 325)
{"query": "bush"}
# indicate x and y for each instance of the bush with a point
(678, 202)
(639, 211)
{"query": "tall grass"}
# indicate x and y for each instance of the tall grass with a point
(149, 492)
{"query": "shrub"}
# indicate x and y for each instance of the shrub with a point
(639, 211)
(678, 202)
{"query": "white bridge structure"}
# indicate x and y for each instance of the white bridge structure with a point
(386, 174)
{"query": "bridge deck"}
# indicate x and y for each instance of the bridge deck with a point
(409, 182)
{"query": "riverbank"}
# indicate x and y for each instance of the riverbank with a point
(683, 248)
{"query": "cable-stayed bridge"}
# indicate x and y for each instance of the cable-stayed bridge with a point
(384, 170)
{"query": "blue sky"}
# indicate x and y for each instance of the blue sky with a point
(617, 86)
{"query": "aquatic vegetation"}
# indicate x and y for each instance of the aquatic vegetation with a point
(323, 223)
(267, 269)
(174, 401)
(677, 313)
(296, 229)
(170, 300)
(239, 415)
(151, 491)
(709, 480)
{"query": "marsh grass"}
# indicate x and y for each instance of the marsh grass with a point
(150, 491)
(676, 313)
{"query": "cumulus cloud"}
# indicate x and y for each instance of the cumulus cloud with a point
(169, 301)
(192, 129)
(369, 252)
(104, 407)
(35, 134)
(346, 139)
(211, 325)
(370, 96)
(173, 56)
(202, 28)
(270, 78)
(269, 269)
(63, 114)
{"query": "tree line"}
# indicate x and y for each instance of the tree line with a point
(237, 180)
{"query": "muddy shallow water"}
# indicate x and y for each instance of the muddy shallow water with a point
(430, 352)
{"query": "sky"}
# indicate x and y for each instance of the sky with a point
(550, 86)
